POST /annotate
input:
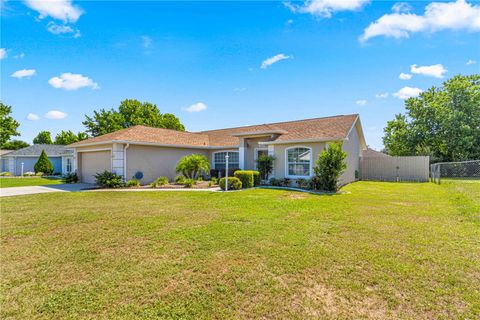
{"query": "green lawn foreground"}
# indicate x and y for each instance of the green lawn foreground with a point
(27, 181)
(381, 251)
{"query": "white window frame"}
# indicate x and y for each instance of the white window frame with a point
(255, 155)
(67, 164)
(220, 151)
(310, 171)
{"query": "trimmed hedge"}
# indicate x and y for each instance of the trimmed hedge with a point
(233, 183)
(246, 177)
(249, 178)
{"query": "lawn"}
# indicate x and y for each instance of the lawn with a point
(27, 181)
(380, 251)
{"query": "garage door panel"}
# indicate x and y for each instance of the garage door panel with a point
(93, 163)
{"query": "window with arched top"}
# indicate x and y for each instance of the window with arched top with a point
(298, 162)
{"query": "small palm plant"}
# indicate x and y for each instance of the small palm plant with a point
(193, 165)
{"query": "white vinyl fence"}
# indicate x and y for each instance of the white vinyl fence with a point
(395, 168)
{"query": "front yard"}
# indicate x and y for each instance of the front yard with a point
(381, 251)
(28, 181)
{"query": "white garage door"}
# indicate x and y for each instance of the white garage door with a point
(94, 162)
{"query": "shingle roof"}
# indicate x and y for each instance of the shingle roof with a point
(4, 152)
(36, 150)
(370, 153)
(328, 128)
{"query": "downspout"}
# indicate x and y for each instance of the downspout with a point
(125, 161)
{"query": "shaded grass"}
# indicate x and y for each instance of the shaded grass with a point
(27, 181)
(382, 251)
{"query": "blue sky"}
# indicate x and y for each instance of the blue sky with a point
(223, 64)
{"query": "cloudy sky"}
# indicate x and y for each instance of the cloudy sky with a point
(222, 64)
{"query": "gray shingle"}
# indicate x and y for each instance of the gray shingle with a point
(36, 150)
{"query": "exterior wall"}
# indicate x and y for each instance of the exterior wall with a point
(279, 153)
(252, 144)
(29, 163)
(352, 147)
(154, 162)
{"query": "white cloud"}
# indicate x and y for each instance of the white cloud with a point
(268, 62)
(55, 115)
(33, 117)
(63, 10)
(458, 15)
(24, 73)
(3, 53)
(382, 95)
(71, 81)
(401, 7)
(361, 102)
(407, 92)
(325, 8)
(436, 70)
(63, 29)
(405, 76)
(196, 107)
(19, 56)
(470, 62)
(146, 42)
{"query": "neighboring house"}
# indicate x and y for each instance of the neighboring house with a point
(371, 153)
(153, 152)
(3, 161)
(60, 157)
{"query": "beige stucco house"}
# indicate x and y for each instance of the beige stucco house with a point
(152, 152)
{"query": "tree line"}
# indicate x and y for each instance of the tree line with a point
(129, 113)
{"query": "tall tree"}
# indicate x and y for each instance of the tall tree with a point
(130, 113)
(43, 137)
(442, 122)
(14, 145)
(68, 137)
(8, 125)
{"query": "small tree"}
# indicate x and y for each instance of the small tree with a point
(329, 166)
(43, 164)
(265, 165)
(191, 166)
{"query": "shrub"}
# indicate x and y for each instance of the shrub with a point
(188, 183)
(160, 181)
(133, 183)
(200, 178)
(265, 165)
(5, 173)
(108, 179)
(303, 183)
(275, 182)
(39, 174)
(233, 183)
(214, 180)
(246, 177)
(329, 166)
(71, 177)
(193, 165)
(256, 178)
(285, 182)
(221, 172)
(29, 174)
(179, 179)
(43, 164)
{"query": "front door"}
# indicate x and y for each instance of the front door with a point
(259, 152)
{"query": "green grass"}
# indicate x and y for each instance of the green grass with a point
(381, 251)
(27, 181)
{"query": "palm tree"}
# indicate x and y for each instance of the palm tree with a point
(191, 166)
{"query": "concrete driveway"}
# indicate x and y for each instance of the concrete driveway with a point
(20, 191)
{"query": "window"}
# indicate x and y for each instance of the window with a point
(299, 160)
(219, 160)
(69, 164)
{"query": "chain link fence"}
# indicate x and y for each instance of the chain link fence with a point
(455, 170)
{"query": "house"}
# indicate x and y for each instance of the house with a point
(23, 160)
(148, 153)
(372, 153)
(3, 160)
